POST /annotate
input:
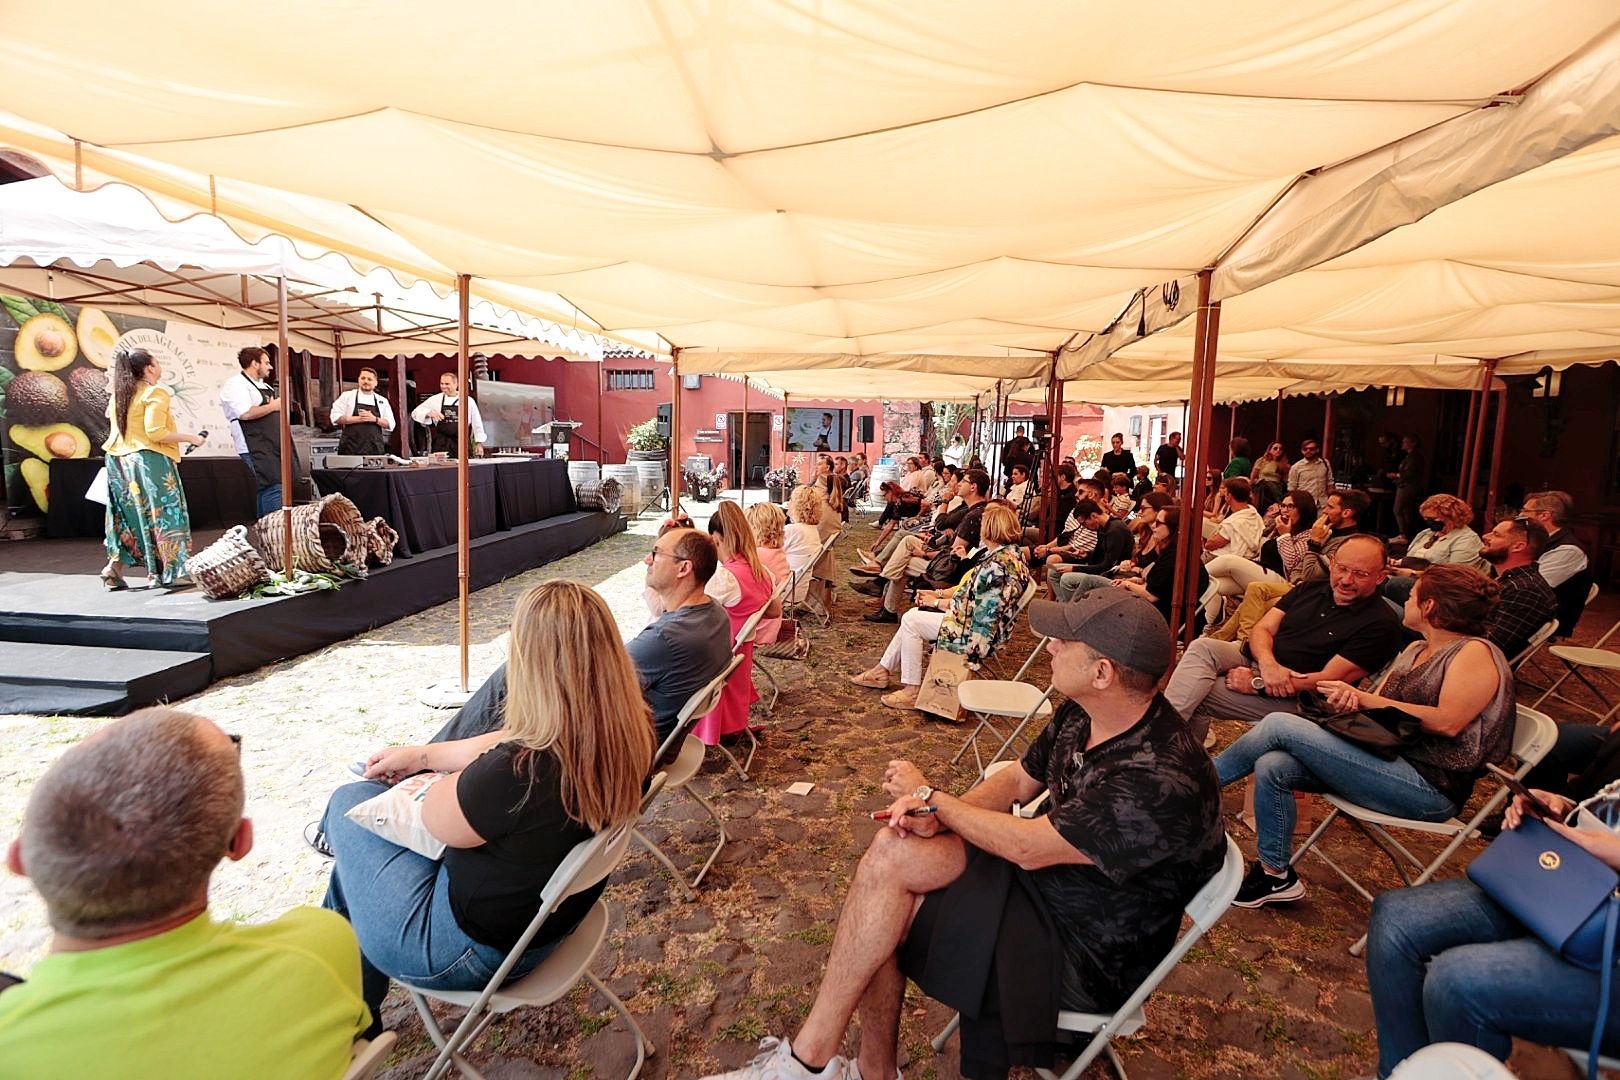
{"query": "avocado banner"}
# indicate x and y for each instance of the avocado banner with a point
(54, 384)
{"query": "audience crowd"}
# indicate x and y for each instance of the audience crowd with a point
(1384, 677)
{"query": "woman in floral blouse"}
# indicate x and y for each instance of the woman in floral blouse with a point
(978, 619)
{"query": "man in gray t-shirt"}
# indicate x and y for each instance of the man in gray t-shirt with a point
(675, 655)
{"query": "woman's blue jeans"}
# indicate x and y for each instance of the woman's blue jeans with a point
(399, 905)
(1288, 753)
(1445, 963)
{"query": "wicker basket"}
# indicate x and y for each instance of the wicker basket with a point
(598, 495)
(325, 533)
(380, 541)
(229, 566)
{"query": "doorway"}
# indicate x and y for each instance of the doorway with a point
(757, 451)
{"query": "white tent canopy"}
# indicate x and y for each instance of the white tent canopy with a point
(856, 179)
(114, 245)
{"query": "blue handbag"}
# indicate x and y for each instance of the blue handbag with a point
(1564, 895)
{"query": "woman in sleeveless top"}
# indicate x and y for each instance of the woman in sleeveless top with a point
(1454, 681)
(748, 590)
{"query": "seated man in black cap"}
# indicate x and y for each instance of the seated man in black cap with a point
(1009, 919)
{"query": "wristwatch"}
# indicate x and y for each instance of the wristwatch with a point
(924, 793)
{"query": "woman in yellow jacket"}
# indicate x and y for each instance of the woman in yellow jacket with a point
(147, 521)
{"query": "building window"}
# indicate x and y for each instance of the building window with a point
(630, 380)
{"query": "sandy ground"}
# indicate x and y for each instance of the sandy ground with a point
(1269, 993)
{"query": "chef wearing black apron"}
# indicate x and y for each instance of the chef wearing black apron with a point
(438, 414)
(365, 424)
(251, 406)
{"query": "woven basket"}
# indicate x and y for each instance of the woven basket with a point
(325, 533)
(598, 495)
(380, 541)
(229, 566)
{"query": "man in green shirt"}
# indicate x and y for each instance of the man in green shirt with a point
(120, 837)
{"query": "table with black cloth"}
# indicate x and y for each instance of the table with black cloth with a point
(219, 493)
(420, 502)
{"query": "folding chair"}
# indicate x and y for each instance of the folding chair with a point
(986, 698)
(1204, 910)
(588, 863)
(679, 773)
(1537, 640)
(1591, 595)
(1533, 735)
(1601, 662)
(368, 1056)
(802, 604)
(750, 629)
(745, 632)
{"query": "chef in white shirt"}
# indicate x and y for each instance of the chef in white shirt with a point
(253, 409)
(364, 417)
(438, 415)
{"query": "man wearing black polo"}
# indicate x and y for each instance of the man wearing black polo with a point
(1335, 629)
(1114, 546)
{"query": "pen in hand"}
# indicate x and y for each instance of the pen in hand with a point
(883, 815)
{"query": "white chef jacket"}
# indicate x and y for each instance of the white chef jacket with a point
(236, 397)
(344, 406)
(436, 403)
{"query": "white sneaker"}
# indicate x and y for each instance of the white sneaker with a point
(776, 1062)
(852, 1071)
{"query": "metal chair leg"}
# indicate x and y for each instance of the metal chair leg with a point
(644, 1048)
(658, 853)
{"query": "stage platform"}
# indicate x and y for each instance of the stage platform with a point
(87, 651)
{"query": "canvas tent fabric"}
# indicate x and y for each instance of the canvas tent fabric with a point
(857, 178)
(62, 244)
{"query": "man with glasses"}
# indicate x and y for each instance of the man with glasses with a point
(1311, 472)
(120, 838)
(1338, 629)
(1564, 561)
(675, 655)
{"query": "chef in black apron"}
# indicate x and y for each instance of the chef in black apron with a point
(365, 417)
(438, 414)
(254, 411)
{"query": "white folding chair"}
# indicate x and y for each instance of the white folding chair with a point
(1008, 698)
(588, 863)
(679, 773)
(802, 605)
(368, 1055)
(1204, 910)
(1533, 735)
(1029, 594)
(750, 630)
(1591, 595)
(1537, 640)
(1602, 663)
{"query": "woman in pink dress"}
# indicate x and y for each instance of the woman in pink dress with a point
(751, 591)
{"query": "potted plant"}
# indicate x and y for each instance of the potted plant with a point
(645, 443)
(779, 483)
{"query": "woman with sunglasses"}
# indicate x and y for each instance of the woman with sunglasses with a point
(1280, 556)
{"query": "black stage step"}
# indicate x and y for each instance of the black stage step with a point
(63, 679)
(238, 636)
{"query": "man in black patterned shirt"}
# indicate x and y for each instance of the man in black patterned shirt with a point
(1009, 918)
(1527, 602)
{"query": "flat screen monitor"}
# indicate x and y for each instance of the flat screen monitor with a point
(825, 430)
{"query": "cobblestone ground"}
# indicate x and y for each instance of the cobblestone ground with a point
(1270, 993)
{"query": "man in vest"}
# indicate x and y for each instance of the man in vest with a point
(1563, 562)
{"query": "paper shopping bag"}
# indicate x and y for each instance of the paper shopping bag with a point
(946, 671)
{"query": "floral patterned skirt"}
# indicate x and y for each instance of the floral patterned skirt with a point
(147, 521)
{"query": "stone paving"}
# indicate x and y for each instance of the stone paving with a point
(1269, 993)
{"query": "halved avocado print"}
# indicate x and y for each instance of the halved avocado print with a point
(38, 475)
(45, 343)
(52, 440)
(97, 336)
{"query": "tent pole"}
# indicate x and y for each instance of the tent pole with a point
(1277, 436)
(1468, 444)
(1477, 443)
(402, 415)
(463, 471)
(1054, 454)
(676, 480)
(997, 411)
(1327, 428)
(742, 450)
(1189, 544)
(285, 427)
(973, 430)
(601, 436)
(1494, 482)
